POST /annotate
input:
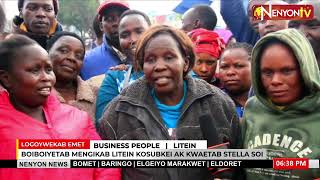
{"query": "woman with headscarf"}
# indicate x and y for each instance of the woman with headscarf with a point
(208, 46)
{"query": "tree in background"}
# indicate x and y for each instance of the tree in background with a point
(2, 18)
(78, 14)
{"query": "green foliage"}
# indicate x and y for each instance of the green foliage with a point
(78, 13)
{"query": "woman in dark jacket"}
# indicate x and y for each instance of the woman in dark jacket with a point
(167, 103)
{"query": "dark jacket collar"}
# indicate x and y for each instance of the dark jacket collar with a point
(108, 46)
(139, 92)
(40, 39)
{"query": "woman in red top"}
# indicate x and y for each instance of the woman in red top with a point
(30, 111)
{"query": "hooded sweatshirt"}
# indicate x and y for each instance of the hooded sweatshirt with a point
(290, 131)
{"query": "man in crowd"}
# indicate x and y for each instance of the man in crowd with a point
(243, 26)
(201, 16)
(311, 28)
(267, 26)
(37, 19)
(97, 31)
(101, 58)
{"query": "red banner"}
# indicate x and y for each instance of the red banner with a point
(53, 144)
(290, 163)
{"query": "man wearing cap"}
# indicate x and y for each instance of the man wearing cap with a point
(311, 28)
(100, 59)
(37, 19)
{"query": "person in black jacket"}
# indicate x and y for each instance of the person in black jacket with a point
(167, 103)
(311, 28)
(37, 20)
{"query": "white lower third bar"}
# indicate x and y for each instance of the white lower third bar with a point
(313, 163)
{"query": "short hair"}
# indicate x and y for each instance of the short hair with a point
(207, 15)
(9, 50)
(2, 19)
(136, 12)
(96, 27)
(54, 2)
(241, 45)
(184, 43)
(60, 34)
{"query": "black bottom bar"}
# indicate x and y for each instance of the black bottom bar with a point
(101, 163)
(8, 163)
(171, 163)
(157, 163)
(257, 163)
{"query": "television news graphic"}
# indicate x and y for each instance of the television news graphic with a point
(53, 144)
(156, 153)
(295, 163)
(282, 12)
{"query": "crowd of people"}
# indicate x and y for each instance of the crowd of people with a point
(142, 81)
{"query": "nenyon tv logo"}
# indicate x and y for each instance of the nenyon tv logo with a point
(282, 12)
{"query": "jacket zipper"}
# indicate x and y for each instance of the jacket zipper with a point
(164, 129)
(191, 102)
